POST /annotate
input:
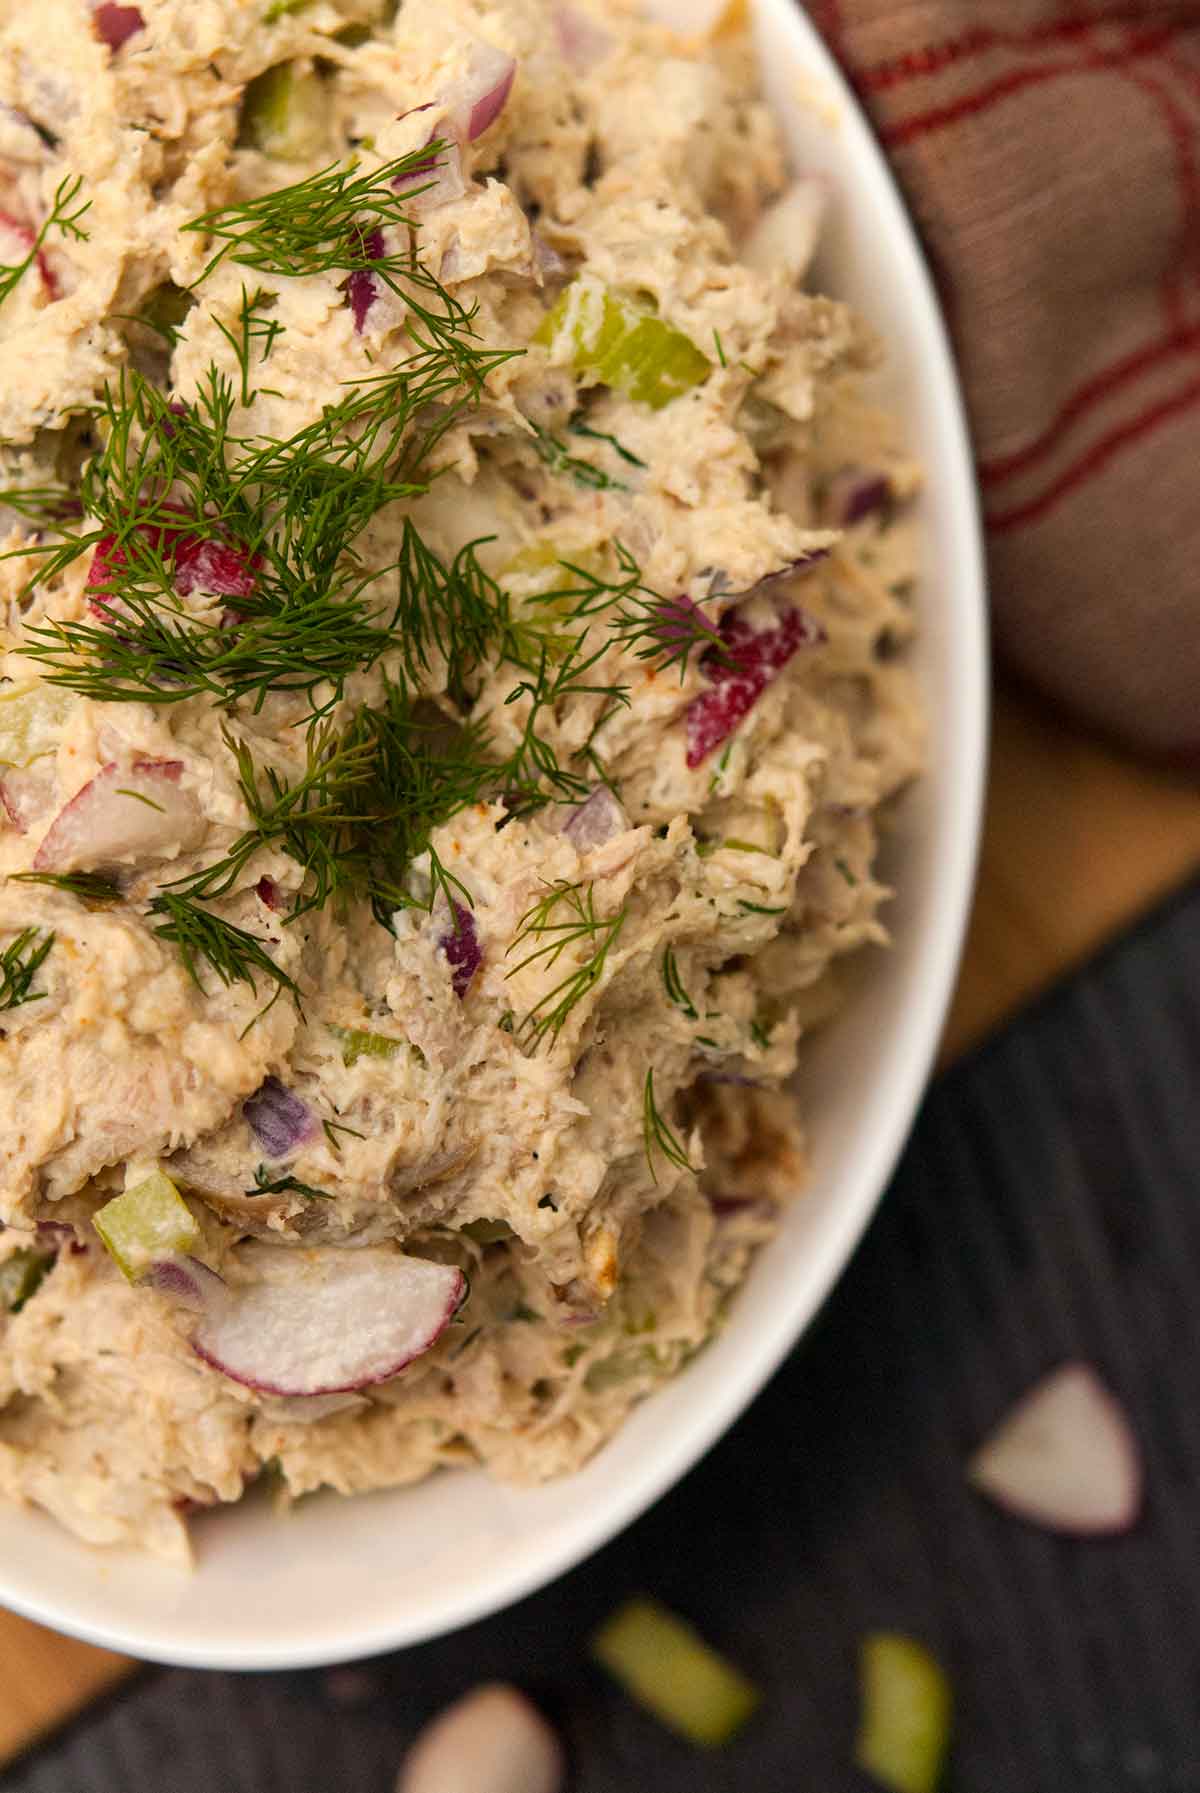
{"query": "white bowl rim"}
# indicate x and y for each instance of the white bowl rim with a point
(919, 1027)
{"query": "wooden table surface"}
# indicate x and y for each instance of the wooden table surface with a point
(1078, 841)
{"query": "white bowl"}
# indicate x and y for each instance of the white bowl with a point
(345, 1578)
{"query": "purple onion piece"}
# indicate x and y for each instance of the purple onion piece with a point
(59, 1235)
(582, 42)
(462, 950)
(362, 288)
(488, 86)
(115, 25)
(270, 894)
(854, 493)
(278, 1118)
(185, 1278)
(598, 819)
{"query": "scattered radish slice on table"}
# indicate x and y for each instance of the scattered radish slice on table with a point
(493, 1740)
(122, 815)
(320, 1322)
(1066, 1457)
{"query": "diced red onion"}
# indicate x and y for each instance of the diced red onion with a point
(279, 1119)
(184, 1277)
(854, 493)
(598, 819)
(582, 41)
(23, 238)
(115, 25)
(270, 894)
(462, 949)
(738, 678)
(546, 259)
(481, 96)
(61, 1235)
(435, 181)
(362, 288)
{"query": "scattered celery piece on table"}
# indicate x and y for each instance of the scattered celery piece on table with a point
(907, 1709)
(668, 1668)
(146, 1224)
(622, 344)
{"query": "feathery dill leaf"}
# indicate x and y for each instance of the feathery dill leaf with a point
(19, 964)
(674, 986)
(89, 887)
(61, 218)
(657, 1133)
(203, 938)
(564, 918)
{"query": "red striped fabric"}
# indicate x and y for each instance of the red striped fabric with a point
(1051, 153)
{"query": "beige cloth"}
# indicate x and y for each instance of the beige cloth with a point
(1050, 150)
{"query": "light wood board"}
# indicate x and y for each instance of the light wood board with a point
(1079, 840)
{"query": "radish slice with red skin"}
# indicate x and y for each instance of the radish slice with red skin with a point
(198, 563)
(1066, 1457)
(25, 795)
(123, 815)
(326, 1321)
(493, 1740)
(752, 661)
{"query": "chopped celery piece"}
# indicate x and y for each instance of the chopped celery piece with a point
(622, 344)
(146, 1224)
(21, 1276)
(671, 1671)
(906, 1714)
(358, 1043)
(285, 114)
(31, 716)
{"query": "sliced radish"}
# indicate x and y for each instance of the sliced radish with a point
(752, 660)
(323, 1321)
(121, 816)
(1065, 1457)
(788, 231)
(26, 793)
(198, 563)
(493, 1740)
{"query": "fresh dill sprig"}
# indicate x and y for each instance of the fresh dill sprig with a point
(46, 507)
(61, 218)
(578, 427)
(255, 325)
(657, 1134)
(331, 222)
(19, 964)
(563, 918)
(561, 461)
(760, 908)
(203, 938)
(673, 984)
(266, 1184)
(89, 887)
